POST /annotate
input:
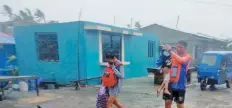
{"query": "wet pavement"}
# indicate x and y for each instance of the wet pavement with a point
(136, 93)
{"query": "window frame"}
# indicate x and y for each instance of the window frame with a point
(111, 36)
(151, 45)
(38, 52)
(101, 54)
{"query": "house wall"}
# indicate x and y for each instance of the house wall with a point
(93, 67)
(66, 69)
(135, 52)
(6, 51)
(89, 65)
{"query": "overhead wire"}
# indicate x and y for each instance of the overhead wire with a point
(210, 3)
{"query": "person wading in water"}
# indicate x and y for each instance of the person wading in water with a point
(178, 74)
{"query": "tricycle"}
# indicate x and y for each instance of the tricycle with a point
(215, 68)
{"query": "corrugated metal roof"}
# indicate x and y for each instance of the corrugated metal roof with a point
(171, 30)
(7, 40)
(4, 34)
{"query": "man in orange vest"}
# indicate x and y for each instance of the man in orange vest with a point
(178, 74)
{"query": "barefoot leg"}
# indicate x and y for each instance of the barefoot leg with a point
(160, 89)
(166, 88)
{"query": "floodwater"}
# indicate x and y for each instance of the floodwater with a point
(136, 93)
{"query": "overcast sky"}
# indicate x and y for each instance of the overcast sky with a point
(211, 17)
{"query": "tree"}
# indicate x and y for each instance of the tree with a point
(25, 18)
(7, 11)
(128, 25)
(29, 17)
(39, 15)
(17, 20)
(137, 25)
(22, 17)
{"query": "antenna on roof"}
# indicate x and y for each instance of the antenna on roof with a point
(80, 14)
(114, 20)
(177, 21)
(131, 23)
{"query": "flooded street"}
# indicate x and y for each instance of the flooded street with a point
(49, 46)
(136, 93)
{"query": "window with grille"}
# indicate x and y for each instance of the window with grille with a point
(47, 47)
(151, 45)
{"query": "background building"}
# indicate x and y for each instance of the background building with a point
(196, 44)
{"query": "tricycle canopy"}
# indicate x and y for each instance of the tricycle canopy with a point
(216, 66)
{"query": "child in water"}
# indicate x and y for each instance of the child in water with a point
(164, 62)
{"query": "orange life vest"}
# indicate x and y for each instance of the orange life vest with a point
(109, 78)
(176, 66)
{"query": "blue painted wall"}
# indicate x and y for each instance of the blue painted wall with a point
(69, 36)
(6, 51)
(136, 52)
(66, 69)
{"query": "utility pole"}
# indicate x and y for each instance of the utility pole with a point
(78, 46)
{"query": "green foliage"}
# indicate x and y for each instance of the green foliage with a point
(23, 16)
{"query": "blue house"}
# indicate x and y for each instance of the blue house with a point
(77, 50)
(7, 49)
